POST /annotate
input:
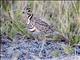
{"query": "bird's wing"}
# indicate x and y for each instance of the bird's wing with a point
(42, 26)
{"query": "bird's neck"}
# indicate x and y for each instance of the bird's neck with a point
(29, 18)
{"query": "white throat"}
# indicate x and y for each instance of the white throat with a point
(28, 20)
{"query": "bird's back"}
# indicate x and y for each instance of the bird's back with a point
(42, 26)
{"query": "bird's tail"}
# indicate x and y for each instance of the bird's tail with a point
(56, 33)
(63, 37)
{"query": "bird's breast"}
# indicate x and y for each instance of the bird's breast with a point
(34, 29)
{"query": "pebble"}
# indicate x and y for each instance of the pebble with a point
(28, 49)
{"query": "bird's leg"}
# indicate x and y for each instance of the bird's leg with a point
(42, 47)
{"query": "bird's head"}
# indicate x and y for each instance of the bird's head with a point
(26, 13)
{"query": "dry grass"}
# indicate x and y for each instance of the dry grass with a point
(63, 15)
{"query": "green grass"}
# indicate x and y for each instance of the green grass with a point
(58, 13)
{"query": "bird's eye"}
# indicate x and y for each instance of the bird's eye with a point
(28, 10)
(23, 12)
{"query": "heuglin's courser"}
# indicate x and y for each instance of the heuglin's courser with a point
(36, 25)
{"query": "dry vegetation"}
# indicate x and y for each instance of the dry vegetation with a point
(63, 15)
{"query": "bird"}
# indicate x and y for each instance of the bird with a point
(37, 25)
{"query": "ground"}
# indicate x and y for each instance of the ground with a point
(24, 48)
